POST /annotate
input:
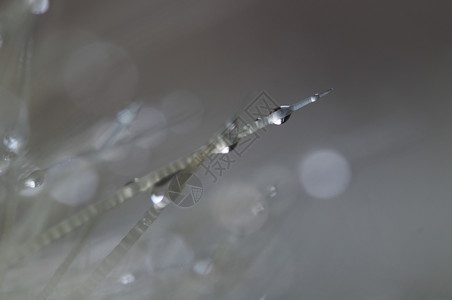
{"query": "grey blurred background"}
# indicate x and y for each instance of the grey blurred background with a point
(354, 192)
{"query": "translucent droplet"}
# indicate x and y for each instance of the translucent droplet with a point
(31, 183)
(38, 7)
(1, 41)
(34, 180)
(159, 200)
(128, 114)
(272, 191)
(127, 278)
(156, 198)
(13, 144)
(225, 150)
(278, 118)
(203, 267)
(257, 209)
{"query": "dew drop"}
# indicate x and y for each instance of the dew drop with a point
(203, 267)
(127, 278)
(156, 198)
(31, 184)
(13, 144)
(34, 180)
(38, 7)
(159, 200)
(225, 150)
(277, 117)
(126, 116)
(272, 191)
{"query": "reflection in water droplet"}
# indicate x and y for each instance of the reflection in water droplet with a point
(127, 278)
(39, 7)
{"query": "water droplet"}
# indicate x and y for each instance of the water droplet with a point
(225, 150)
(34, 180)
(1, 40)
(257, 209)
(31, 183)
(278, 118)
(128, 114)
(203, 267)
(156, 198)
(127, 278)
(272, 191)
(39, 7)
(13, 144)
(159, 200)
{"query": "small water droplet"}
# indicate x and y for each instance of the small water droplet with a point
(225, 150)
(203, 267)
(38, 7)
(159, 200)
(156, 198)
(34, 180)
(127, 278)
(128, 114)
(257, 209)
(272, 191)
(1, 41)
(13, 144)
(277, 118)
